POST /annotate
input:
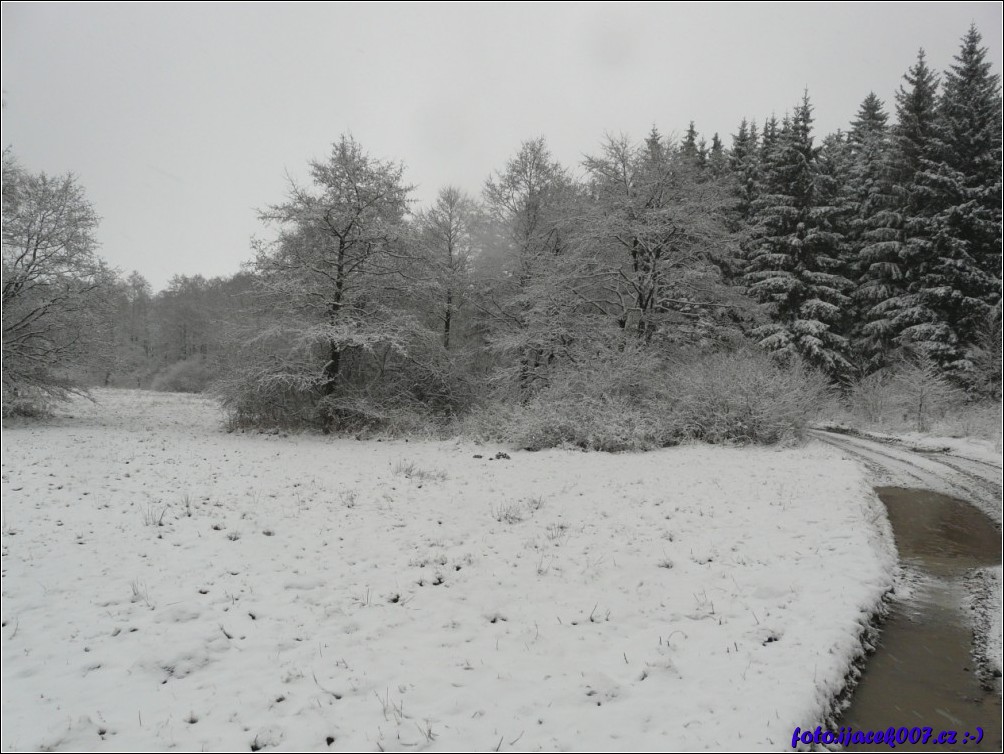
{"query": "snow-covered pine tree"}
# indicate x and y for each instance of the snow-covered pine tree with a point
(741, 178)
(768, 140)
(874, 235)
(718, 162)
(795, 251)
(689, 147)
(834, 173)
(744, 163)
(971, 144)
(833, 191)
(896, 222)
(956, 287)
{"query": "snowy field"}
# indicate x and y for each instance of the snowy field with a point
(169, 585)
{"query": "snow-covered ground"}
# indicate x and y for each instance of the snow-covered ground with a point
(967, 470)
(166, 584)
(985, 603)
(970, 448)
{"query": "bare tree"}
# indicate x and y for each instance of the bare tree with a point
(526, 199)
(327, 282)
(446, 238)
(532, 202)
(52, 283)
(656, 225)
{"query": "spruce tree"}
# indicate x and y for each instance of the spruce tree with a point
(744, 165)
(873, 234)
(835, 188)
(795, 250)
(717, 160)
(895, 230)
(689, 147)
(768, 141)
(961, 280)
(948, 161)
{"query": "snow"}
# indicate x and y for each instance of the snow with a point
(166, 584)
(961, 471)
(971, 448)
(995, 630)
(985, 602)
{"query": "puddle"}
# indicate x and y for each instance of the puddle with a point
(922, 673)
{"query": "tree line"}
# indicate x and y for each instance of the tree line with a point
(873, 246)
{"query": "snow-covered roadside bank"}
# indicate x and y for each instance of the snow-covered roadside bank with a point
(167, 584)
(985, 602)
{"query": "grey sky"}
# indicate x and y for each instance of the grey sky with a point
(180, 119)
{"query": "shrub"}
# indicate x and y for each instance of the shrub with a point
(607, 423)
(977, 419)
(188, 376)
(375, 415)
(266, 396)
(614, 401)
(746, 396)
(922, 394)
(26, 403)
(913, 394)
(640, 403)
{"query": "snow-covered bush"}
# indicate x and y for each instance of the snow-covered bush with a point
(365, 415)
(606, 423)
(911, 394)
(980, 419)
(26, 403)
(267, 395)
(615, 401)
(188, 376)
(411, 398)
(745, 396)
(634, 401)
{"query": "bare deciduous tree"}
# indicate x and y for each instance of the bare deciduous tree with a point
(327, 282)
(52, 282)
(656, 225)
(446, 239)
(532, 201)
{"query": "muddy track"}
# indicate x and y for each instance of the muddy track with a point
(926, 664)
(896, 464)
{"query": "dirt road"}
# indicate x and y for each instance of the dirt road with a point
(896, 464)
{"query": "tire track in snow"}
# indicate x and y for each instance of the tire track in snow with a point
(976, 481)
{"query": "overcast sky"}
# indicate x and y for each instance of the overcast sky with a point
(181, 120)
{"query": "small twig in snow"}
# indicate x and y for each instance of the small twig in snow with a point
(335, 694)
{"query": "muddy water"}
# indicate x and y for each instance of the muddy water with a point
(922, 673)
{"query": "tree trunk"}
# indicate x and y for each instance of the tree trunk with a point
(332, 368)
(447, 318)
